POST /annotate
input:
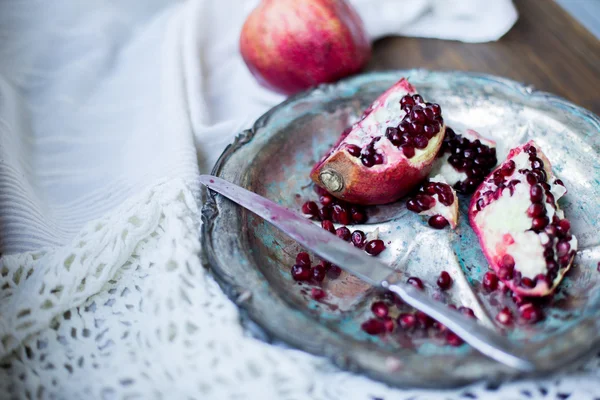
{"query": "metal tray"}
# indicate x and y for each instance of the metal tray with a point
(251, 259)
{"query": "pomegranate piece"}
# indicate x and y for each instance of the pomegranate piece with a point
(530, 253)
(464, 160)
(310, 208)
(328, 226)
(444, 281)
(317, 273)
(343, 233)
(317, 293)
(438, 200)
(380, 309)
(374, 247)
(398, 140)
(373, 326)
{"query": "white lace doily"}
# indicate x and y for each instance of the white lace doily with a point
(160, 327)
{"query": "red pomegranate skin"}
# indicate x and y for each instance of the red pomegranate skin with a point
(291, 45)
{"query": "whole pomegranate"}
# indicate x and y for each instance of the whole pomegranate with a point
(521, 228)
(291, 45)
(387, 153)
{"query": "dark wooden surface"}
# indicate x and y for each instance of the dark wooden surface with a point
(546, 48)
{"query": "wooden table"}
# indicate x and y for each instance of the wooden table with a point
(546, 48)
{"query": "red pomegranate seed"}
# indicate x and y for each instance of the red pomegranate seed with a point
(318, 273)
(536, 210)
(438, 222)
(490, 281)
(536, 193)
(539, 223)
(407, 101)
(341, 215)
(303, 259)
(353, 149)
(358, 215)
(444, 281)
(408, 151)
(317, 293)
(531, 312)
(388, 322)
(301, 272)
(326, 200)
(373, 326)
(508, 261)
(407, 321)
(504, 316)
(358, 239)
(310, 208)
(527, 282)
(375, 247)
(452, 339)
(325, 213)
(562, 228)
(380, 309)
(334, 272)
(467, 311)
(562, 248)
(424, 320)
(328, 226)
(416, 282)
(343, 233)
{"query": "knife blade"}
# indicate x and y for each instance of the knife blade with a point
(372, 271)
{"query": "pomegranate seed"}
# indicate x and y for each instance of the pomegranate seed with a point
(541, 278)
(310, 208)
(301, 272)
(353, 149)
(317, 293)
(325, 213)
(504, 316)
(303, 259)
(536, 210)
(421, 141)
(531, 312)
(408, 151)
(505, 273)
(380, 309)
(343, 233)
(490, 281)
(539, 223)
(407, 101)
(417, 98)
(536, 163)
(562, 248)
(359, 217)
(374, 247)
(467, 311)
(326, 199)
(527, 282)
(388, 323)
(328, 226)
(531, 178)
(444, 281)
(416, 282)
(358, 238)
(508, 168)
(562, 228)
(536, 193)
(340, 214)
(424, 320)
(508, 261)
(452, 339)
(437, 110)
(598, 267)
(367, 161)
(407, 321)
(318, 273)
(438, 222)
(373, 326)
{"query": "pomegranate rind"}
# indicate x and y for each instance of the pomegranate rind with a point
(345, 177)
(495, 254)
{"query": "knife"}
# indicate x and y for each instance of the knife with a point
(373, 272)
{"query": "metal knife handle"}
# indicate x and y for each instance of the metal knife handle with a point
(481, 338)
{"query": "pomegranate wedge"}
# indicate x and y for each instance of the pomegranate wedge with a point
(465, 159)
(521, 229)
(387, 153)
(437, 200)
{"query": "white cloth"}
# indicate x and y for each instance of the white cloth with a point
(108, 111)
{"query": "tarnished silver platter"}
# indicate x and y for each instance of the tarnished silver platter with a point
(252, 259)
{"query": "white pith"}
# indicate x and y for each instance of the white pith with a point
(507, 217)
(449, 212)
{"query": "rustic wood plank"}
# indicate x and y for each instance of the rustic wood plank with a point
(547, 48)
